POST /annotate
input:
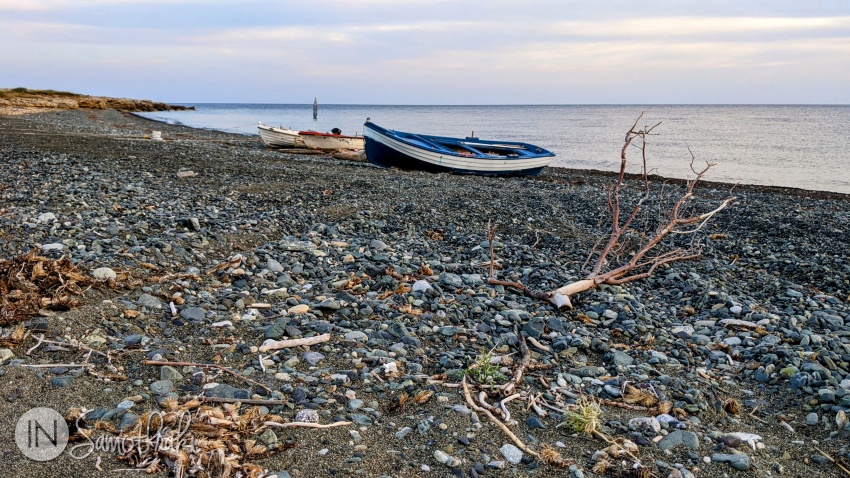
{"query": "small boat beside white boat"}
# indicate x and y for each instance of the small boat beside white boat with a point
(330, 141)
(279, 137)
(470, 155)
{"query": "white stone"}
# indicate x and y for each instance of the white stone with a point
(666, 418)
(420, 286)
(511, 453)
(441, 456)
(186, 174)
(739, 323)
(6, 354)
(390, 367)
(46, 217)
(104, 274)
(56, 246)
(686, 329)
(299, 309)
(645, 423)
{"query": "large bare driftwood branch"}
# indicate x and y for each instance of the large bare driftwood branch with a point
(642, 263)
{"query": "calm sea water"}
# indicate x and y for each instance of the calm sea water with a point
(805, 147)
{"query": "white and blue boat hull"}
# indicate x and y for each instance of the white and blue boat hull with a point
(388, 148)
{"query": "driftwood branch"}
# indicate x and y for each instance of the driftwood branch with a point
(270, 344)
(495, 420)
(642, 263)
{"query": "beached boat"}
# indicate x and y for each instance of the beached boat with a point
(280, 137)
(470, 155)
(330, 141)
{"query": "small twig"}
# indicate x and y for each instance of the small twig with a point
(752, 414)
(512, 397)
(306, 425)
(537, 344)
(566, 391)
(40, 340)
(209, 365)
(378, 377)
(832, 460)
(548, 405)
(483, 402)
(503, 406)
(533, 400)
(539, 411)
(78, 345)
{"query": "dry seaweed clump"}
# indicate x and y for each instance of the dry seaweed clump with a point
(194, 439)
(30, 282)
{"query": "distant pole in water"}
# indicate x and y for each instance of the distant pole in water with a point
(315, 108)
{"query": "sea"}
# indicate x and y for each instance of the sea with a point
(795, 146)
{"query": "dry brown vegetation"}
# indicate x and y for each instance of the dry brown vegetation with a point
(30, 282)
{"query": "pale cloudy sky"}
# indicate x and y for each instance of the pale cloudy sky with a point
(432, 51)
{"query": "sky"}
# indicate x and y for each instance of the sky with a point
(432, 51)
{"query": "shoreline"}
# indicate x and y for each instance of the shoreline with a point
(610, 174)
(307, 227)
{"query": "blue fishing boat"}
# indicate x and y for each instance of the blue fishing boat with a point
(470, 155)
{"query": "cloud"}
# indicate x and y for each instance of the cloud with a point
(446, 51)
(678, 27)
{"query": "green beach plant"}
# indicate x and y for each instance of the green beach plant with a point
(482, 370)
(583, 417)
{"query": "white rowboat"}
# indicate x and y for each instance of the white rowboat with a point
(280, 137)
(329, 141)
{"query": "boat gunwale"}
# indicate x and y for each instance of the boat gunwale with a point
(327, 135)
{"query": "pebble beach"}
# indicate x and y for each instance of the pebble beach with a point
(204, 245)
